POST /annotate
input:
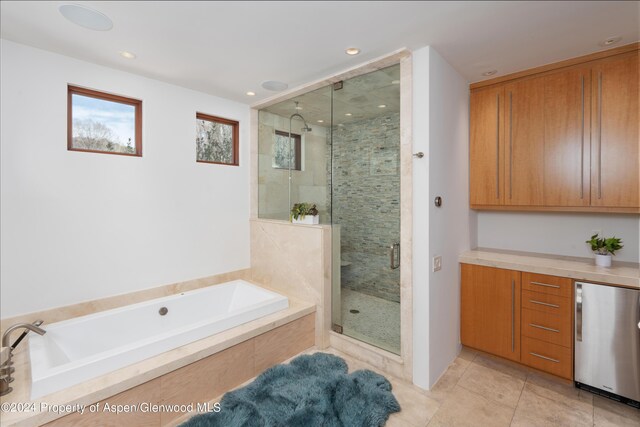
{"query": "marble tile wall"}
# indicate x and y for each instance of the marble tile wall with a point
(296, 260)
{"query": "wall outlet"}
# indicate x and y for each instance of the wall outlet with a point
(437, 263)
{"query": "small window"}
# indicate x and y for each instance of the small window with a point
(282, 157)
(99, 122)
(216, 140)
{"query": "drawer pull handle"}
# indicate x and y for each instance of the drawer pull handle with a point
(543, 327)
(546, 285)
(544, 303)
(544, 357)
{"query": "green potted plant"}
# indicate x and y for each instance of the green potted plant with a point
(604, 247)
(304, 213)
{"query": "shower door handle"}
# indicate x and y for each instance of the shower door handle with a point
(394, 255)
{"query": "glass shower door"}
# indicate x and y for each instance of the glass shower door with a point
(365, 208)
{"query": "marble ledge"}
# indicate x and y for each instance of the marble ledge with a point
(625, 274)
(283, 222)
(123, 379)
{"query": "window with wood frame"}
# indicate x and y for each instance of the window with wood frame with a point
(287, 155)
(217, 140)
(99, 122)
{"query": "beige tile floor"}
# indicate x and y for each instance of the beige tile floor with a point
(481, 390)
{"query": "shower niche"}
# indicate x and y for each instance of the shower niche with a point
(338, 147)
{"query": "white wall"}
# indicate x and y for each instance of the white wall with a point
(78, 226)
(452, 227)
(441, 130)
(557, 233)
(421, 212)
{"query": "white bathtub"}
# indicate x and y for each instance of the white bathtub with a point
(85, 347)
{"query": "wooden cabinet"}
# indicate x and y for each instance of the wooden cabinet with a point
(486, 168)
(524, 129)
(490, 313)
(563, 139)
(523, 317)
(547, 326)
(567, 118)
(615, 175)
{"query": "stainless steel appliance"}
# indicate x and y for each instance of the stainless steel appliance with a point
(607, 340)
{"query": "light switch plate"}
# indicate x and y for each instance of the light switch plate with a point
(437, 263)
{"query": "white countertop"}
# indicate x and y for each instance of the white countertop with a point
(620, 273)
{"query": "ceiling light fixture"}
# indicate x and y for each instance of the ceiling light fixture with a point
(610, 41)
(348, 114)
(320, 121)
(274, 85)
(382, 106)
(489, 73)
(352, 51)
(249, 93)
(127, 54)
(86, 17)
(395, 82)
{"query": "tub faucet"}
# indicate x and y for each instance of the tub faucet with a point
(5, 368)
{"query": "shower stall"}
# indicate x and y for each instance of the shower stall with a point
(338, 147)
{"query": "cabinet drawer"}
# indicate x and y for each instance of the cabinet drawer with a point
(547, 357)
(546, 303)
(553, 285)
(551, 328)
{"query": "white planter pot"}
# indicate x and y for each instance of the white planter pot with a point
(308, 219)
(603, 260)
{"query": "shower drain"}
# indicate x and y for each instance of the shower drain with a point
(354, 311)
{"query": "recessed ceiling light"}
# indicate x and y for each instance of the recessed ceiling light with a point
(127, 54)
(610, 41)
(86, 17)
(348, 114)
(320, 121)
(352, 51)
(274, 85)
(249, 93)
(489, 73)
(395, 82)
(382, 106)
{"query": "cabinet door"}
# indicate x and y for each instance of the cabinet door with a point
(486, 150)
(490, 310)
(524, 132)
(614, 151)
(567, 115)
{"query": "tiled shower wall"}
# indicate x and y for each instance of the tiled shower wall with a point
(366, 203)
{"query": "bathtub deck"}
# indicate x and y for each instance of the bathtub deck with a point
(124, 379)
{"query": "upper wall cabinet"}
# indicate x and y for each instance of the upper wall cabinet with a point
(486, 169)
(563, 138)
(567, 115)
(524, 128)
(615, 133)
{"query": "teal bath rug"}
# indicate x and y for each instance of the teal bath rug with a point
(312, 391)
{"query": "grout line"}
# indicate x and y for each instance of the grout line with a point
(526, 379)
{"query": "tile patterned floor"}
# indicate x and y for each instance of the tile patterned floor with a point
(479, 390)
(377, 321)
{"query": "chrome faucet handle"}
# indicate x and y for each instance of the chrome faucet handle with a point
(7, 333)
(24, 334)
